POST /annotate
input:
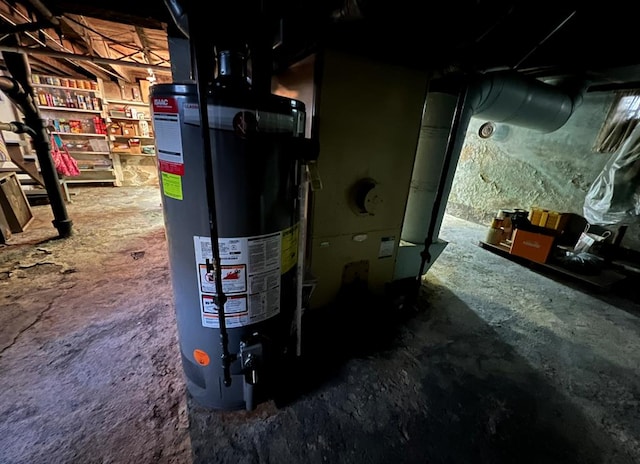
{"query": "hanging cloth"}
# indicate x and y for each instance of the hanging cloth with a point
(65, 164)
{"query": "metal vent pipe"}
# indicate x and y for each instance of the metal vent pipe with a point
(520, 101)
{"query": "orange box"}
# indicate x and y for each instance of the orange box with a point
(531, 245)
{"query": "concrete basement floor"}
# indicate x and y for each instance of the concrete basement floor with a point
(498, 364)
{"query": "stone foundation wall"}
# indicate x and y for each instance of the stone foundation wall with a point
(138, 170)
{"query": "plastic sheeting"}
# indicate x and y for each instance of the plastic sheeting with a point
(614, 196)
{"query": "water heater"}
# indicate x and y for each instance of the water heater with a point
(230, 357)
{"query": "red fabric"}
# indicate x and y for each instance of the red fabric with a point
(65, 164)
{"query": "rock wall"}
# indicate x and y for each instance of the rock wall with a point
(523, 168)
(139, 170)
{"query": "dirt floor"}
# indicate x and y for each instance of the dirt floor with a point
(496, 364)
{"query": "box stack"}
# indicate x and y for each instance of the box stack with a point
(549, 219)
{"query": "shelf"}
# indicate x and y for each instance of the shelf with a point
(79, 133)
(126, 102)
(91, 150)
(49, 86)
(89, 153)
(130, 136)
(88, 181)
(72, 110)
(128, 119)
(606, 279)
(128, 153)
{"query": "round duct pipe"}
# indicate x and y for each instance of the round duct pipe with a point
(521, 101)
(437, 118)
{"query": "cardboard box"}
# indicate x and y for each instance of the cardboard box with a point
(557, 221)
(5, 230)
(14, 203)
(145, 89)
(531, 245)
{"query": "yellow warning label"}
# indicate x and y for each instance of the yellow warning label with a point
(289, 248)
(172, 185)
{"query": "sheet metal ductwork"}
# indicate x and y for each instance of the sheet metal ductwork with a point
(514, 99)
(503, 97)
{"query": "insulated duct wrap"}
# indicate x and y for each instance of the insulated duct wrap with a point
(432, 146)
(520, 101)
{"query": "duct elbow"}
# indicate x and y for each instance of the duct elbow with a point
(519, 100)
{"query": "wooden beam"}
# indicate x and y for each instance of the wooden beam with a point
(23, 16)
(56, 65)
(116, 67)
(81, 32)
(144, 44)
(85, 36)
(47, 52)
(12, 20)
(139, 44)
(148, 14)
(98, 45)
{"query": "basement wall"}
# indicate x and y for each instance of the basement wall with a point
(139, 170)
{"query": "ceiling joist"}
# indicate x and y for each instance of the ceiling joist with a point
(84, 45)
(48, 41)
(92, 59)
(55, 66)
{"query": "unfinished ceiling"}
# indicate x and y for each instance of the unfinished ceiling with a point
(120, 39)
(65, 44)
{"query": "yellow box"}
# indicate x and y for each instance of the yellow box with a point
(534, 216)
(557, 221)
(544, 216)
(553, 220)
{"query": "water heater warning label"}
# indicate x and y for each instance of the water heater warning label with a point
(172, 185)
(234, 279)
(166, 121)
(250, 269)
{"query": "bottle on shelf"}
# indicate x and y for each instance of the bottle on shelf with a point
(70, 103)
(42, 99)
(81, 103)
(144, 128)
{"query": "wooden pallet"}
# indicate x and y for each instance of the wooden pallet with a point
(604, 281)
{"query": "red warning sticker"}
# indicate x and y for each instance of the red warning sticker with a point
(234, 279)
(171, 168)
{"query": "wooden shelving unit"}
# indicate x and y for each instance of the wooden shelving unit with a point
(130, 127)
(74, 112)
